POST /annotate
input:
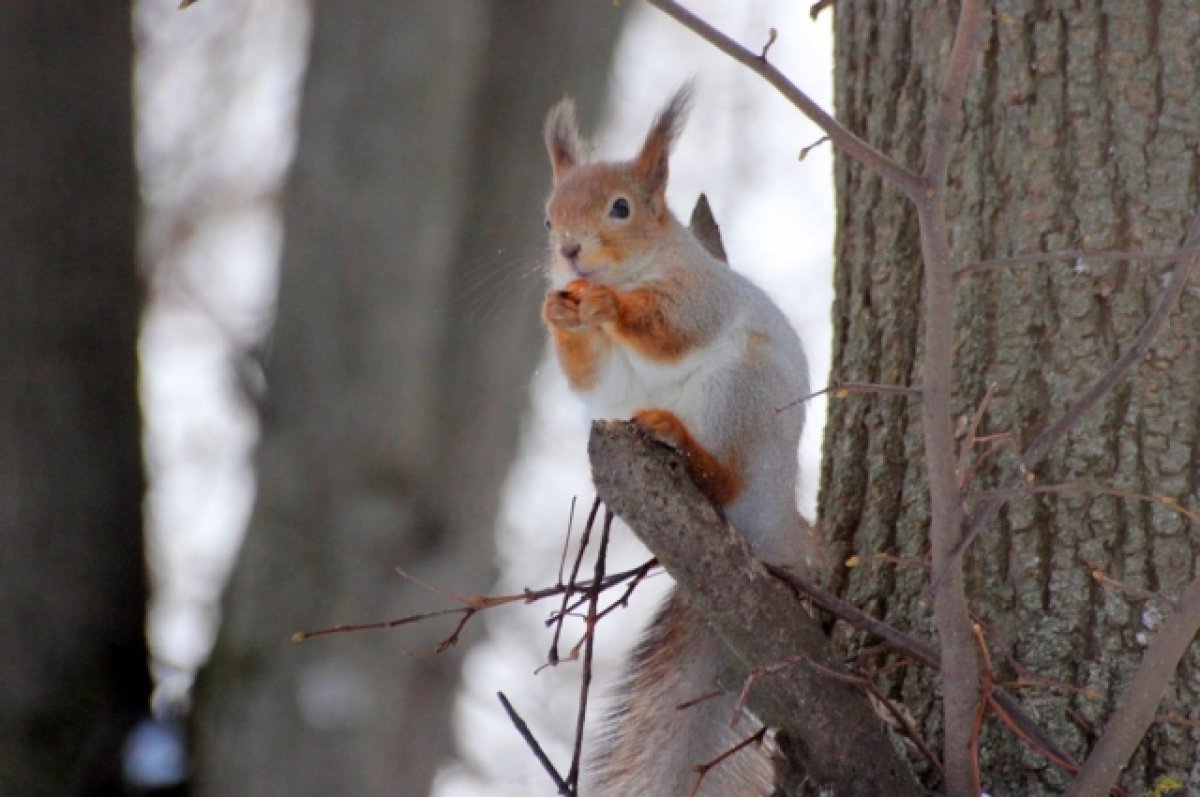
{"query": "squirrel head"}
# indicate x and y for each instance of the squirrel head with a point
(605, 219)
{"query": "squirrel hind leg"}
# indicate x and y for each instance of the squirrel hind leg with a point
(718, 480)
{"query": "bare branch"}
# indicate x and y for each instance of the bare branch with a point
(480, 603)
(1076, 488)
(702, 770)
(538, 752)
(939, 136)
(905, 723)
(552, 656)
(841, 389)
(1004, 704)
(562, 560)
(1146, 689)
(585, 680)
(1070, 255)
(849, 143)
(301, 636)
(815, 10)
(960, 667)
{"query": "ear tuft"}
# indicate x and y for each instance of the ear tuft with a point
(562, 138)
(650, 167)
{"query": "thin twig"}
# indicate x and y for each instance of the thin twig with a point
(562, 560)
(636, 574)
(552, 656)
(913, 649)
(539, 753)
(1025, 678)
(1003, 703)
(805, 150)
(849, 143)
(819, 6)
(695, 701)
(1020, 730)
(1069, 255)
(623, 601)
(1124, 587)
(481, 603)
(301, 636)
(441, 592)
(585, 680)
(841, 389)
(972, 437)
(452, 640)
(1077, 488)
(703, 769)
(1178, 719)
(906, 725)
(772, 35)
(859, 560)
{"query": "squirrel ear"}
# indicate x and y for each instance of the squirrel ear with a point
(650, 166)
(562, 138)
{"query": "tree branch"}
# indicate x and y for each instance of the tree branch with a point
(1068, 255)
(841, 740)
(1150, 681)
(849, 143)
(1001, 701)
(532, 742)
(959, 662)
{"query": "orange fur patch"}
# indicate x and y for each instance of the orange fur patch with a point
(580, 352)
(642, 323)
(717, 480)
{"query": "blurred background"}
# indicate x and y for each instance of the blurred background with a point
(271, 327)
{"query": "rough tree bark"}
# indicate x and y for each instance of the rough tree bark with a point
(73, 675)
(398, 370)
(1080, 132)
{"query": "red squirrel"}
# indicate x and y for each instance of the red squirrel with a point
(647, 324)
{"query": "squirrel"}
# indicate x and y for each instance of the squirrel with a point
(647, 324)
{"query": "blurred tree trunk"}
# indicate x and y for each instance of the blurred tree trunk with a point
(73, 675)
(407, 331)
(1081, 130)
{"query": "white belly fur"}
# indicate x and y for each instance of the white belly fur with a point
(631, 382)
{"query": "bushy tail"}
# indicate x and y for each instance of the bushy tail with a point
(651, 746)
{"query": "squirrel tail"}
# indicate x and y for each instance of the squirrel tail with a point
(652, 745)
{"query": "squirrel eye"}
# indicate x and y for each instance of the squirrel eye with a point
(619, 209)
(547, 222)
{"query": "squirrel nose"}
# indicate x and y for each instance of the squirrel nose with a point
(570, 250)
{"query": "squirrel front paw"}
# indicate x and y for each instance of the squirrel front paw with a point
(597, 305)
(580, 303)
(561, 309)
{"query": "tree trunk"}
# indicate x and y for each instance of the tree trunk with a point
(1080, 131)
(397, 379)
(73, 675)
